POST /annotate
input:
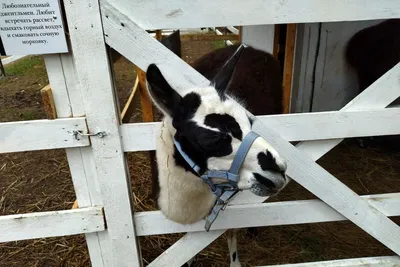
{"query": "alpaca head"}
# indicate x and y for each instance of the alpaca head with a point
(210, 128)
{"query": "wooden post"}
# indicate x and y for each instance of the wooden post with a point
(158, 35)
(128, 109)
(288, 65)
(276, 40)
(48, 102)
(148, 116)
(95, 80)
(3, 71)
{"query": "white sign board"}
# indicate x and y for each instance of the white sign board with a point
(30, 27)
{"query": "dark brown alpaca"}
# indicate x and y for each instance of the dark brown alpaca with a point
(257, 80)
(372, 52)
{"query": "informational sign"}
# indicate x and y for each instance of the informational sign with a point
(30, 27)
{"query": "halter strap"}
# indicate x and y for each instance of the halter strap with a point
(227, 190)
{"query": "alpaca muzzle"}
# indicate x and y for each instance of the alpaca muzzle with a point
(223, 184)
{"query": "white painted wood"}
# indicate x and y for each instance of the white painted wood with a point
(207, 13)
(51, 223)
(388, 261)
(233, 30)
(184, 249)
(61, 73)
(326, 187)
(218, 32)
(303, 69)
(259, 36)
(335, 81)
(380, 94)
(95, 80)
(292, 127)
(263, 214)
(11, 59)
(132, 36)
(41, 134)
(139, 47)
(58, 87)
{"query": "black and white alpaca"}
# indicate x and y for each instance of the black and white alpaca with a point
(210, 127)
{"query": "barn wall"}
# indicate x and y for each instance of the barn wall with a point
(322, 79)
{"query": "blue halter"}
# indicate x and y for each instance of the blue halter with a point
(226, 190)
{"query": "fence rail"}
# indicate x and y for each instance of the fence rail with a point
(42, 134)
(51, 224)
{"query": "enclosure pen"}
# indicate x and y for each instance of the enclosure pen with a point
(82, 85)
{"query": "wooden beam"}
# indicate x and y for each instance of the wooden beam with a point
(263, 214)
(277, 32)
(42, 134)
(387, 261)
(94, 76)
(51, 224)
(292, 127)
(48, 102)
(67, 96)
(148, 116)
(178, 14)
(147, 106)
(288, 66)
(259, 36)
(158, 35)
(129, 108)
(209, 37)
(75, 205)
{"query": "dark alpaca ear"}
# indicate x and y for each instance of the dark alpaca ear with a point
(166, 98)
(173, 42)
(223, 77)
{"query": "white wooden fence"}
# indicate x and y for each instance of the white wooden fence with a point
(83, 88)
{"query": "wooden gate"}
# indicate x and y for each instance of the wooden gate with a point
(83, 89)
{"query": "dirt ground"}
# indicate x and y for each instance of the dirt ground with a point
(41, 181)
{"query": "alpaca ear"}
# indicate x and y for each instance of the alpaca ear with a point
(173, 42)
(163, 95)
(222, 79)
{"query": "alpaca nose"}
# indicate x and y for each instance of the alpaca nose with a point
(272, 180)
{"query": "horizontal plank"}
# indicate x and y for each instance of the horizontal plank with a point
(387, 261)
(292, 127)
(208, 37)
(263, 214)
(51, 224)
(41, 134)
(175, 14)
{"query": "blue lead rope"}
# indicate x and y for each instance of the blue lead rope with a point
(227, 190)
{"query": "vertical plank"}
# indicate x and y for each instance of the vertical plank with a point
(94, 77)
(48, 102)
(61, 73)
(277, 32)
(158, 35)
(303, 68)
(147, 106)
(129, 108)
(288, 66)
(259, 36)
(148, 116)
